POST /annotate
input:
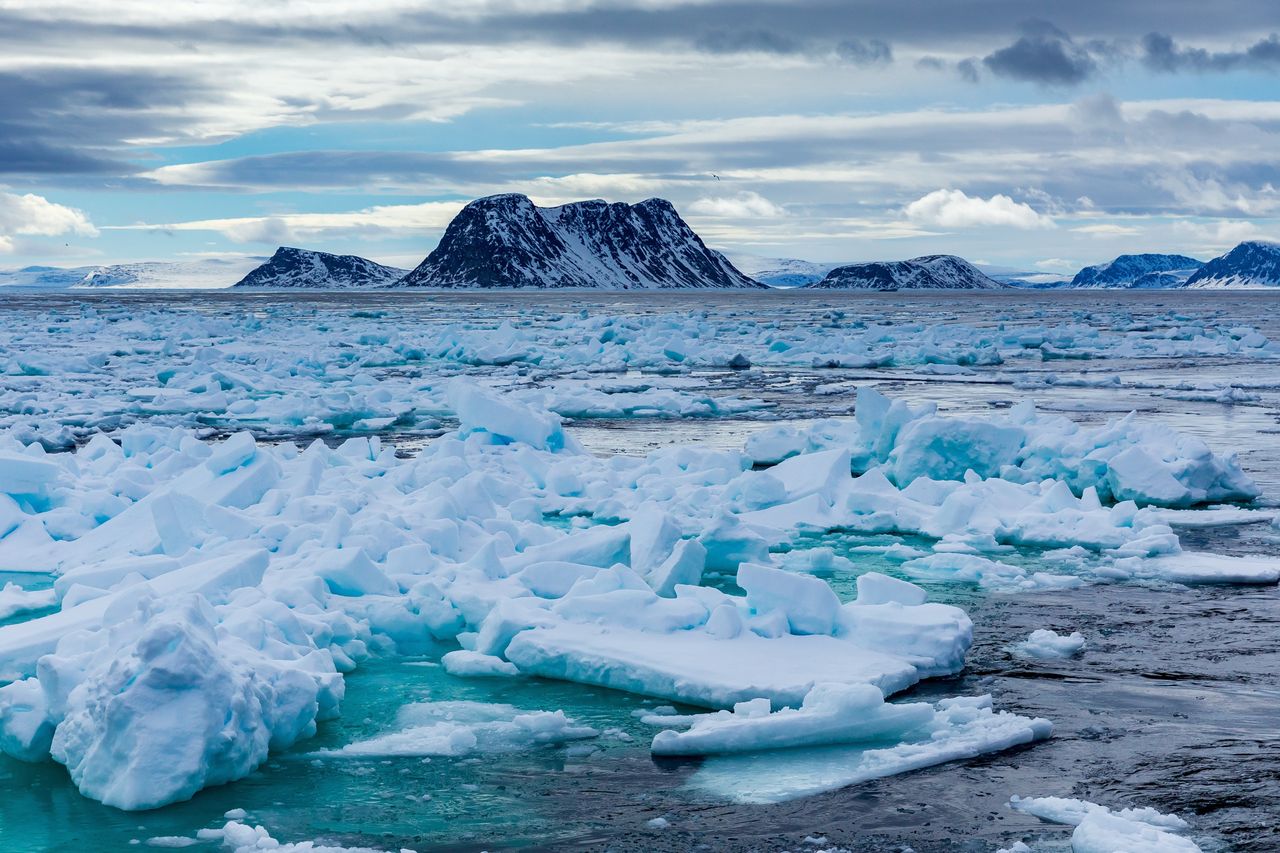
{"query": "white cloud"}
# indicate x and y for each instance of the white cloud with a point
(744, 205)
(383, 220)
(1214, 196)
(1057, 265)
(1218, 236)
(955, 209)
(32, 215)
(1108, 229)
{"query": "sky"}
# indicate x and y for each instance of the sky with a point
(1035, 135)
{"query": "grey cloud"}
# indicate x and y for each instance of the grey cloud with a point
(931, 22)
(1161, 53)
(863, 53)
(747, 41)
(68, 120)
(1044, 54)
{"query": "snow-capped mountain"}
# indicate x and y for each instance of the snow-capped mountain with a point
(45, 277)
(505, 241)
(781, 272)
(1144, 271)
(929, 272)
(204, 274)
(302, 268)
(1251, 264)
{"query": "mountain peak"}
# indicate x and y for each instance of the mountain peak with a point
(927, 272)
(1138, 271)
(1253, 263)
(290, 267)
(507, 241)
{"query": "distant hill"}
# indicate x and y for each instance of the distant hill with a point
(929, 272)
(1251, 264)
(505, 241)
(203, 274)
(781, 272)
(305, 269)
(1146, 271)
(44, 277)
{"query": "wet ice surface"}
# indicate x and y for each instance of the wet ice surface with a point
(1172, 704)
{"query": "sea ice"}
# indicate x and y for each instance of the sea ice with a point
(960, 728)
(1050, 645)
(465, 728)
(213, 593)
(1124, 460)
(1101, 830)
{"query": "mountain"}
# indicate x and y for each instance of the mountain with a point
(505, 241)
(1139, 272)
(781, 272)
(204, 274)
(45, 277)
(301, 268)
(207, 273)
(1251, 264)
(930, 272)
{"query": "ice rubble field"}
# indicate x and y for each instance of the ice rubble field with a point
(194, 602)
(292, 370)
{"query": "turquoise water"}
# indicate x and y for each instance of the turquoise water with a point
(299, 795)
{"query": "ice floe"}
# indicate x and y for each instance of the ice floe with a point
(1127, 459)
(1102, 830)
(955, 729)
(1050, 645)
(464, 728)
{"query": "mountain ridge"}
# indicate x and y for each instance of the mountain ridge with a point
(507, 242)
(308, 269)
(927, 272)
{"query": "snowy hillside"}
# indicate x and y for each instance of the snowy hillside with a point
(928, 272)
(781, 272)
(47, 277)
(505, 241)
(1139, 272)
(205, 274)
(1251, 264)
(301, 268)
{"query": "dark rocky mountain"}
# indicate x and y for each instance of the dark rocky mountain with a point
(304, 269)
(505, 241)
(1251, 264)
(929, 272)
(1146, 271)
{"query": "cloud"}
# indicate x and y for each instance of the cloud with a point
(1213, 195)
(1045, 55)
(1159, 52)
(1057, 265)
(1107, 229)
(747, 41)
(954, 209)
(744, 205)
(371, 222)
(32, 215)
(864, 53)
(1217, 236)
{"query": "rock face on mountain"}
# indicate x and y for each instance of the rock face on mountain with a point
(1251, 264)
(505, 241)
(1139, 272)
(929, 272)
(304, 269)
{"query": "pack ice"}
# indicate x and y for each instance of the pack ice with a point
(211, 594)
(297, 370)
